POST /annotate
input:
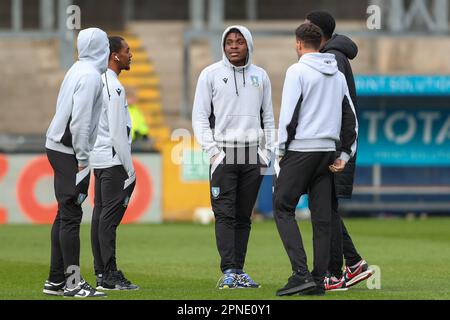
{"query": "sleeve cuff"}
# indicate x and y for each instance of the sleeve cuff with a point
(131, 173)
(344, 156)
(280, 150)
(130, 170)
(212, 152)
(83, 163)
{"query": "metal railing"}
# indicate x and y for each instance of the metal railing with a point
(377, 190)
(46, 30)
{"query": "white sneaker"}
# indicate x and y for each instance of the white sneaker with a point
(83, 290)
(53, 288)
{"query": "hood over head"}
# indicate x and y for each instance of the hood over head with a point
(342, 44)
(248, 37)
(323, 62)
(93, 47)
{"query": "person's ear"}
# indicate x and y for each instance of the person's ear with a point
(298, 46)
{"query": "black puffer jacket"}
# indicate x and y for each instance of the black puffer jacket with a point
(344, 49)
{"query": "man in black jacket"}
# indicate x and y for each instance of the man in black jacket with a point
(357, 268)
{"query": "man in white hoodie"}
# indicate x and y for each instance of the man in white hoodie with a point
(316, 112)
(232, 114)
(113, 170)
(70, 139)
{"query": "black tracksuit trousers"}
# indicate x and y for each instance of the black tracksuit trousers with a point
(234, 188)
(341, 243)
(65, 234)
(300, 173)
(111, 201)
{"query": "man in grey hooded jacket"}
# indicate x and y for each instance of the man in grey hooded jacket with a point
(70, 139)
(232, 114)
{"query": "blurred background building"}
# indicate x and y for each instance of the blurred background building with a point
(402, 76)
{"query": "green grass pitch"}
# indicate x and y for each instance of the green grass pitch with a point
(180, 261)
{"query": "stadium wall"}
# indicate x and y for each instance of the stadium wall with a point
(27, 196)
(107, 14)
(185, 176)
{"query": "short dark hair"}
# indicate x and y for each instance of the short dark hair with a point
(232, 30)
(310, 34)
(115, 44)
(324, 21)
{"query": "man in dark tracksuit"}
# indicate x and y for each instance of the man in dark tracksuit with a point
(232, 113)
(316, 112)
(70, 139)
(357, 268)
(113, 170)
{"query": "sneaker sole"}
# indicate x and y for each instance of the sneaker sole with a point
(53, 293)
(360, 277)
(298, 289)
(78, 297)
(337, 289)
(100, 288)
(106, 289)
(310, 293)
(83, 297)
(227, 288)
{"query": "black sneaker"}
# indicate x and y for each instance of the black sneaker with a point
(317, 291)
(53, 288)
(297, 283)
(83, 290)
(115, 280)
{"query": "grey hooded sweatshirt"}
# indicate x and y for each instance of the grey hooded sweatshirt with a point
(233, 105)
(316, 108)
(73, 129)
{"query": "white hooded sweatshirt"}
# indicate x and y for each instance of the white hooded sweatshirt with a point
(113, 144)
(316, 108)
(233, 105)
(73, 129)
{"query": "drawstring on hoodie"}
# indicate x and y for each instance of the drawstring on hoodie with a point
(235, 82)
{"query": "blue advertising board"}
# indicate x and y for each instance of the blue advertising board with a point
(404, 121)
(417, 133)
(375, 85)
(401, 136)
